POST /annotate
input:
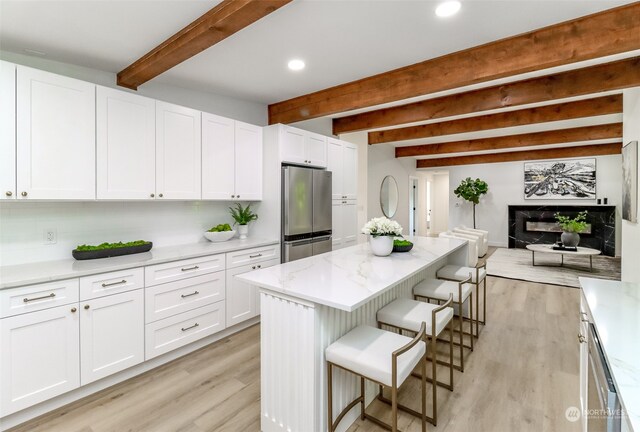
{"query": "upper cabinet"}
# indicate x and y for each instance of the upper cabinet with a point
(343, 163)
(7, 130)
(300, 147)
(126, 145)
(55, 118)
(178, 152)
(231, 159)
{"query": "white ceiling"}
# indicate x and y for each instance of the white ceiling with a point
(340, 40)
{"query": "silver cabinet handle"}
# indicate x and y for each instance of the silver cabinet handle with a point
(255, 256)
(152, 195)
(238, 196)
(123, 281)
(24, 194)
(190, 268)
(27, 300)
(87, 307)
(161, 195)
(233, 196)
(74, 310)
(189, 295)
(189, 328)
(585, 317)
(259, 266)
(581, 338)
(8, 193)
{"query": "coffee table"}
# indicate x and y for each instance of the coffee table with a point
(548, 248)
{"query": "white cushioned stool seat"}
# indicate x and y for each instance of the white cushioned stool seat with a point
(409, 314)
(440, 289)
(367, 351)
(461, 273)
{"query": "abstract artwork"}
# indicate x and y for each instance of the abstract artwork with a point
(573, 179)
(630, 182)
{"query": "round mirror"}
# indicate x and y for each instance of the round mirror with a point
(389, 196)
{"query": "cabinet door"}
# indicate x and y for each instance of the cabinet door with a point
(349, 171)
(218, 157)
(248, 175)
(39, 357)
(265, 264)
(336, 224)
(349, 223)
(126, 145)
(7, 130)
(316, 149)
(241, 297)
(292, 145)
(111, 334)
(178, 152)
(334, 164)
(55, 136)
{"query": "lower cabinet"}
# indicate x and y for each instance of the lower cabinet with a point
(40, 357)
(111, 334)
(243, 302)
(345, 223)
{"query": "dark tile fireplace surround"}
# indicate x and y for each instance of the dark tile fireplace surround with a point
(602, 219)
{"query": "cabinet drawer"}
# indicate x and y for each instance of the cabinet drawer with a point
(33, 298)
(248, 256)
(177, 270)
(100, 285)
(179, 330)
(169, 299)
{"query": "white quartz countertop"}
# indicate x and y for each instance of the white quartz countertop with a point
(27, 274)
(348, 278)
(615, 308)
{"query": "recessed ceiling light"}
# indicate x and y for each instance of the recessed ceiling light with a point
(448, 8)
(296, 64)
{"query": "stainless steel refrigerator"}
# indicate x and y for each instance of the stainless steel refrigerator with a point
(306, 212)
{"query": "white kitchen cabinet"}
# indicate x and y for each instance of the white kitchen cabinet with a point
(342, 161)
(336, 224)
(231, 159)
(55, 131)
(178, 152)
(126, 145)
(242, 298)
(39, 357)
(334, 164)
(7, 130)
(111, 334)
(301, 147)
(344, 224)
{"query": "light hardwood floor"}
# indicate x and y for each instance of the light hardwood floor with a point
(522, 377)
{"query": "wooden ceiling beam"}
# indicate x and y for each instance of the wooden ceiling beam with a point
(605, 77)
(548, 113)
(613, 31)
(560, 136)
(554, 153)
(225, 19)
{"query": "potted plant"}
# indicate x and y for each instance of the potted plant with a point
(571, 228)
(472, 190)
(381, 232)
(242, 217)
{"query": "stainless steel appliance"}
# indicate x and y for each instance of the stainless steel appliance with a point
(306, 212)
(603, 405)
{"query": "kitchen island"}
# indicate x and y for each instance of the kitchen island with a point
(308, 304)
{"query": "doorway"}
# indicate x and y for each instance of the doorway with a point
(413, 205)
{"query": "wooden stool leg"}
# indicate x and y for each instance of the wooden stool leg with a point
(477, 310)
(471, 318)
(330, 399)
(461, 319)
(484, 302)
(424, 393)
(434, 369)
(362, 396)
(451, 353)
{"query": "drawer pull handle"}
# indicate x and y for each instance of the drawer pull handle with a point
(123, 281)
(581, 338)
(585, 317)
(189, 295)
(190, 268)
(27, 300)
(255, 256)
(189, 328)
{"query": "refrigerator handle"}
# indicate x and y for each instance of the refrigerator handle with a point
(321, 238)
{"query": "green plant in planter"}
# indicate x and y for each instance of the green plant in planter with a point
(471, 190)
(572, 225)
(242, 216)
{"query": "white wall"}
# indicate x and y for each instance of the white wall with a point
(506, 186)
(631, 231)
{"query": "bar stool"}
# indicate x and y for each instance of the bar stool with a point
(478, 275)
(440, 290)
(409, 315)
(380, 356)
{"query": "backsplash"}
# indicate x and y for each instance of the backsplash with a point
(23, 225)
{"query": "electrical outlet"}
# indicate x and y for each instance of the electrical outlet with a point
(50, 236)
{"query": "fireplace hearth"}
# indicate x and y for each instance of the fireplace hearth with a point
(535, 224)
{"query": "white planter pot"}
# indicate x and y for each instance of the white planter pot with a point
(243, 230)
(381, 245)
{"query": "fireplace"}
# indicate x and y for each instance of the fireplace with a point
(534, 224)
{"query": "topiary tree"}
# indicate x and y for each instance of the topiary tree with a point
(472, 190)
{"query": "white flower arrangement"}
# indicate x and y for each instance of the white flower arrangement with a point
(382, 227)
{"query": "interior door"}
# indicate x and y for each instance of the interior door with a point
(248, 167)
(7, 130)
(218, 157)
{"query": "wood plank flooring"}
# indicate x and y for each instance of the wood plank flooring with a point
(522, 376)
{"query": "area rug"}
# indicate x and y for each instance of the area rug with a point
(516, 264)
